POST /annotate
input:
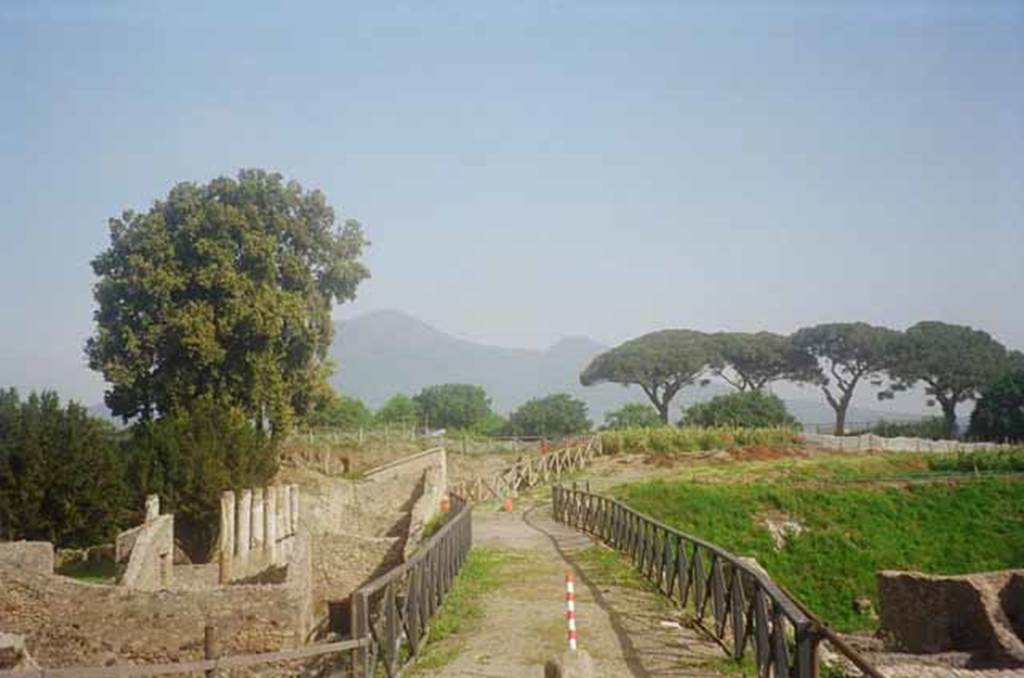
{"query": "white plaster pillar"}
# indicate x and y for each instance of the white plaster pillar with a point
(244, 524)
(257, 520)
(293, 513)
(227, 534)
(152, 507)
(270, 523)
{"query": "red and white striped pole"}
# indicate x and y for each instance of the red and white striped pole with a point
(570, 609)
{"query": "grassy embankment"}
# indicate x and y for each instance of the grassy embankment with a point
(859, 517)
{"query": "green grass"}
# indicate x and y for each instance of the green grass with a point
(94, 572)
(672, 439)
(852, 531)
(462, 610)
(999, 461)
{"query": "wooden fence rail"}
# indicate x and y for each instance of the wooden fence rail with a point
(392, 612)
(737, 603)
(531, 471)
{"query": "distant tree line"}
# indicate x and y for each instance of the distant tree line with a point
(458, 408)
(954, 363)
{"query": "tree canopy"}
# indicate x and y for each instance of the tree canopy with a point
(399, 409)
(954, 362)
(339, 411)
(60, 472)
(846, 353)
(458, 406)
(999, 414)
(632, 415)
(555, 415)
(661, 363)
(750, 361)
(747, 408)
(223, 288)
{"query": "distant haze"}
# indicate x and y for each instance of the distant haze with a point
(388, 352)
(533, 170)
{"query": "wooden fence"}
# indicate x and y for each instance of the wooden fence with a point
(391, 613)
(531, 471)
(734, 601)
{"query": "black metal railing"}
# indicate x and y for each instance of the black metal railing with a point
(391, 613)
(732, 599)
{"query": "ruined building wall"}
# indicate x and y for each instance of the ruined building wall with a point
(70, 623)
(35, 556)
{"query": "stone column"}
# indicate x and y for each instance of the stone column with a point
(270, 523)
(284, 515)
(244, 522)
(257, 520)
(152, 507)
(293, 513)
(227, 534)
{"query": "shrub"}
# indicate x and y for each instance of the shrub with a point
(666, 439)
(748, 409)
(933, 428)
(632, 415)
(555, 415)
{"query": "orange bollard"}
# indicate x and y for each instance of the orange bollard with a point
(508, 505)
(446, 504)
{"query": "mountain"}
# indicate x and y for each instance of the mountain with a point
(388, 352)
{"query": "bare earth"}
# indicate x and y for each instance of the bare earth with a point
(621, 628)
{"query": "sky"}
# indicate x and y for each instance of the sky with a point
(528, 171)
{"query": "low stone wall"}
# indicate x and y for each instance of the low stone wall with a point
(35, 556)
(976, 613)
(871, 442)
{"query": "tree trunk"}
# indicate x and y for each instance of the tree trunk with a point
(840, 428)
(949, 414)
(662, 408)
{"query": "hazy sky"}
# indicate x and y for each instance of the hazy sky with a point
(532, 170)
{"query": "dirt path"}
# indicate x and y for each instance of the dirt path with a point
(620, 627)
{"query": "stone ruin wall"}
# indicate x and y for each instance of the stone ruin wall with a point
(354, 530)
(362, 528)
(148, 617)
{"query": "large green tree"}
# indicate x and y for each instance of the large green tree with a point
(458, 406)
(660, 363)
(953, 361)
(751, 361)
(846, 353)
(559, 414)
(224, 288)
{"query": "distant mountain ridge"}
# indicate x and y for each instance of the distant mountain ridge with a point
(387, 352)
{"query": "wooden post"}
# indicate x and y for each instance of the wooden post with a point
(360, 630)
(210, 647)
